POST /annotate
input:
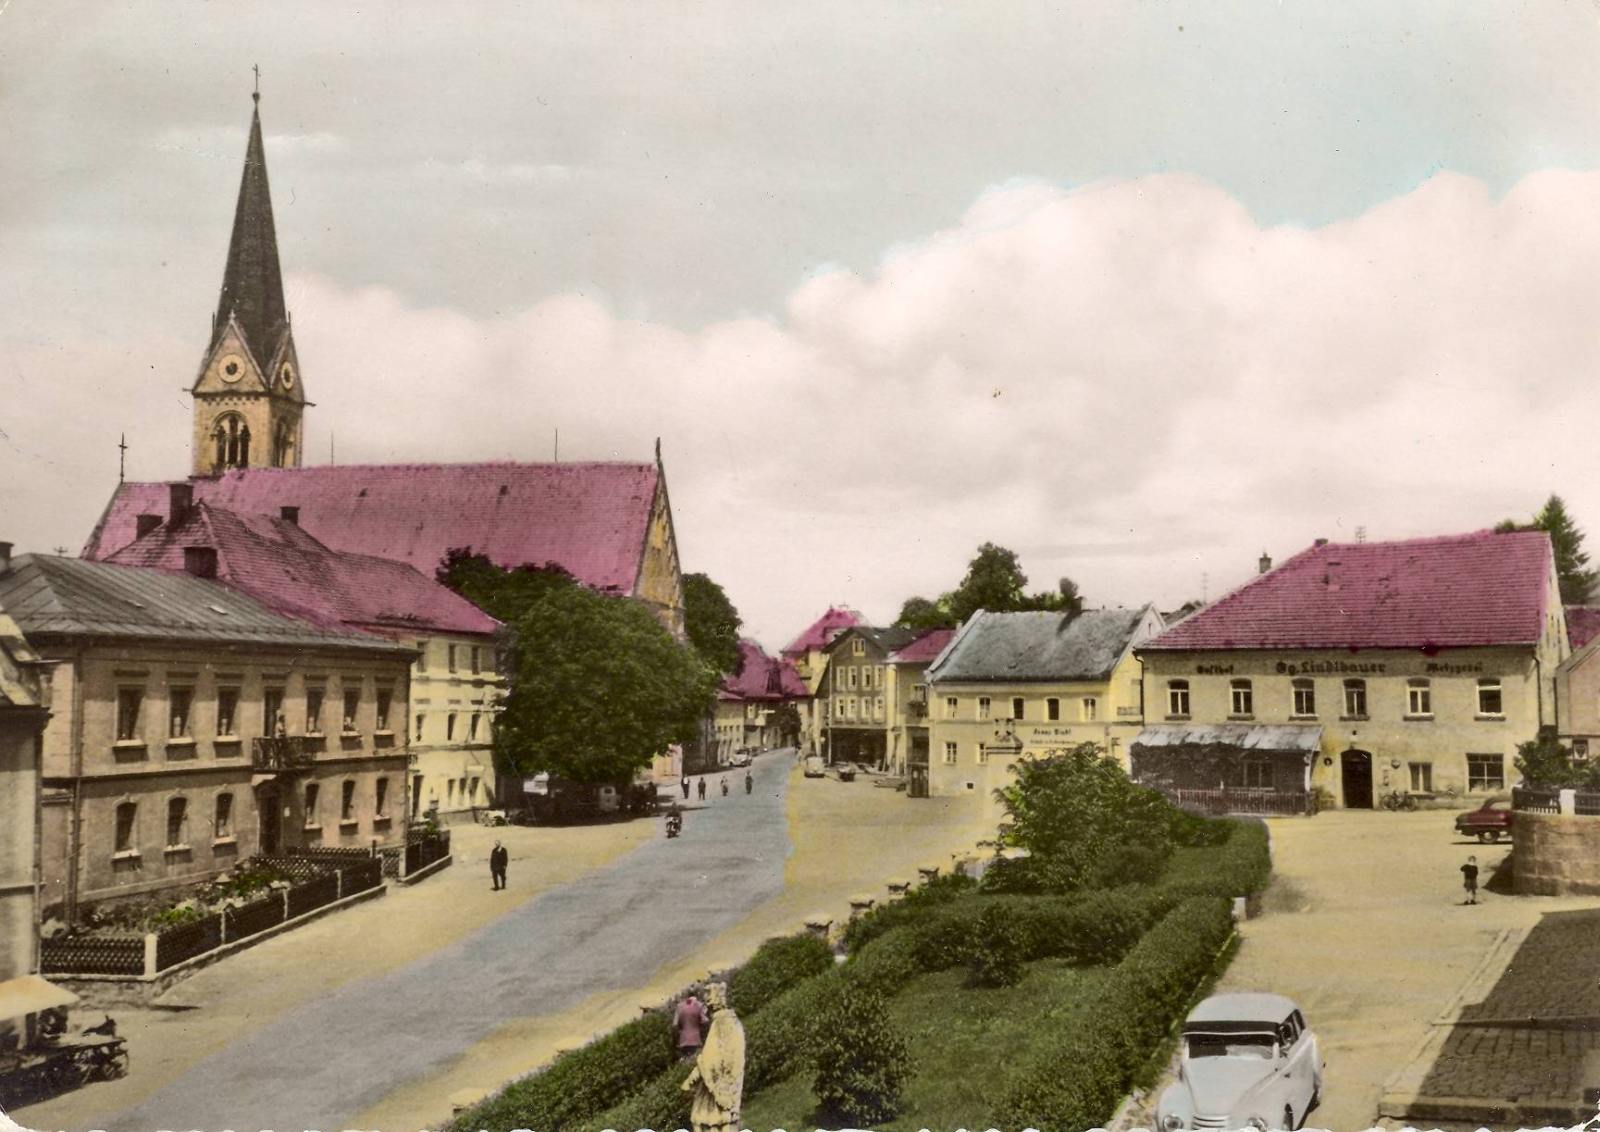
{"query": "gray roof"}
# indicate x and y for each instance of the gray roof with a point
(51, 596)
(1244, 1006)
(1038, 646)
(1299, 737)
(888, 638)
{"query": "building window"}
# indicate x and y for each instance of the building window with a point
(476, 662)
(1255, 774)
(877, 708)
(385, 700)
(352, 708)
(222, 824)
(380, 800)
(227, 712)
(883, 680)
(1421, 778)
(129, 703)
(450, 728)
(1017, 706)
(1486, 772)
(450, 657)
(949, 754)
(1178, 697)
(1052, 709)
(1419, 697)
(838, 706)
(951, 706)
(347, 800)
(1355, 699)
(1088, 709)
(177, 820)
(472, 790)
(850, 708)
(1243, 700)
(127, 820)
(853, 677)
(313, 817)
(1490, 702)
(272, 722)
(179, 701)
(422, 656)
(472, 728)
(419, 727)
(983, 707)
(314, 711)
(858, 647)
(1305, 698)
(983, 754)
(1580, 750)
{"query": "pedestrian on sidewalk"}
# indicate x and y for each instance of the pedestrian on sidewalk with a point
(498, 859)
(749, 783)
(1469, 879)
(702, 788)
(724, 786)
(689, 1023)
(685, 785)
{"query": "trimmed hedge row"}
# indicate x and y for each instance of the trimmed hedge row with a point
(778, 965)
(913, 907)
(1078, 1080)
(1240, 866)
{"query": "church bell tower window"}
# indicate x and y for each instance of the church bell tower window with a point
(232, 438)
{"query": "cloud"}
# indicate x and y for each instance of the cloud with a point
(1132, 383)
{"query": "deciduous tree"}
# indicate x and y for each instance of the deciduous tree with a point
(712, 623)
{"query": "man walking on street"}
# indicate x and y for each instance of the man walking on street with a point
(685, 785)
(702, 788)
(749, 783)
(498, 858)
(1469, 879)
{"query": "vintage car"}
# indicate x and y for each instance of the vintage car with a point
(1489, 822)
(815, 767)
(1247, 1061)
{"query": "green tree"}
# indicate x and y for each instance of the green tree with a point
(503, 594)
(1567, 540)
(994, 581)
(862, 1062)
(712, 623)
(597, 687)
(921, 614)
(1545, 761)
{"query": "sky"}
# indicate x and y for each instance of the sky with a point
(1138, 291)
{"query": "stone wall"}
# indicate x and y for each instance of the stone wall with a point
(1556, 854)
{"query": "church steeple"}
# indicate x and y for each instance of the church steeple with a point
(248, 399)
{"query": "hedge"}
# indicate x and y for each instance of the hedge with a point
(1080, 1077)
(1240, 866)
(913, 907)
(778, 965)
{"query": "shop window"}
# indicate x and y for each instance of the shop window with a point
(314, 711)
(179, 701)
(1052, 709)
(1243, 700)
(1178, 697)
(347, 800)
(949, 754)
(380, 799)
(222, 823)
(352, 708)
(127, 823)
(227, 712)
(1490, 701)
(272, 712)
(177, 822)
(1486, 772)
(1255, 774)
(1421, 778)
(313, 796)
(1419, 698)
(1017, 706)
(130, 701)
(1305, 698)
(385, 701)
(951, 707)
(983, 707)
(1355, 699)
(1089, 709)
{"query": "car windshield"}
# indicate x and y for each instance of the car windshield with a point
(1232, 1045)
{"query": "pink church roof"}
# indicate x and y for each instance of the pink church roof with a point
(1484, 588)
(1583, 625)
(822, 630)
(592, 519)
(284, 568)
(761, 677)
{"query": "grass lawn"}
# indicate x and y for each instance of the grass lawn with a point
(963, 1042)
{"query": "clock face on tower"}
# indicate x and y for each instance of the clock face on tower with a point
(286, 375)
(231, 367)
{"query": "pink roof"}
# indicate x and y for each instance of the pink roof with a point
(925, 649)
(823, 630)
(592, 519)
(1456, 591)
(284, 568)
(761, 677)
(1583, 624)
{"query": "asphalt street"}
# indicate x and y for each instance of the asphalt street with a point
(323, 1063)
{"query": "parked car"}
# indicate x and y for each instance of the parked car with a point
(1247, 1061)
(741, 757)
(815, 767)
(1489, 822)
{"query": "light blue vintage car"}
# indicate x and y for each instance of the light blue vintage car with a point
(1248, 1062)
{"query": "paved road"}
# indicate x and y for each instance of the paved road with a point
(321, 1064)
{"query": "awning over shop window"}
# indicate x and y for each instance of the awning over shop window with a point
(1285, 738)
(29, 994)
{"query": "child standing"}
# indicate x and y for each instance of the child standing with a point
(1469, 879)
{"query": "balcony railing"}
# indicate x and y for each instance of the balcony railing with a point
(281, 754)
(1240, 800)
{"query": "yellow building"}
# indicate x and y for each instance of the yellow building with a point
(1365, 669)
(1050, 680)
(456, 691)
(808, 654)
(22, 718)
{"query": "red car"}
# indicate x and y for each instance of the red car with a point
(1489, 822)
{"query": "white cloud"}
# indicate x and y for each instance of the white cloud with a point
(1132, 383)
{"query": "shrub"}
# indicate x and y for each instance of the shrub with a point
(862, 1063)
(581, 1083)
(916, 905)
(778, 965)
(1129, 864)
(997, 950)
(1194, 831)
(1240, 866)
(1077, 1080)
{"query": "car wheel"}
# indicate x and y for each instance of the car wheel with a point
(1485, 837)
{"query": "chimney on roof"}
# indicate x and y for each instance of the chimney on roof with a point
(1322, 542)
(5, 558)
(1264, 563)
(180, 501)
(289, 514)
(201, 561)
(144, 524)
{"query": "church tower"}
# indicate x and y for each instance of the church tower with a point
(248, 399)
